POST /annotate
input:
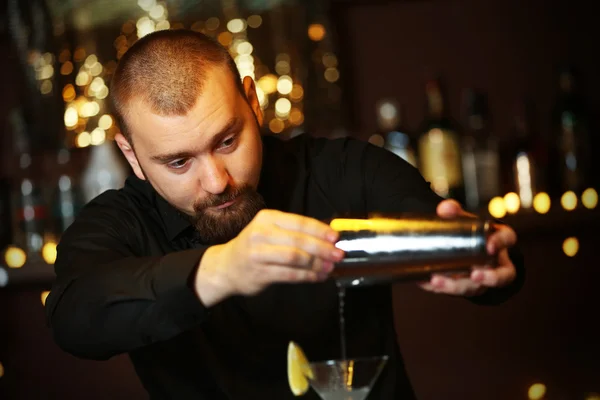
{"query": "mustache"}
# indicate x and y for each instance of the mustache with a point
(230, 193)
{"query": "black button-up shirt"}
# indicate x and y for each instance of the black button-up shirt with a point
(124, 269)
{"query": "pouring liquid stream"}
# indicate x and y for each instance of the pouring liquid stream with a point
(341, 296)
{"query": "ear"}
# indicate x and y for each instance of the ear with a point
(129, 153)
(252, 97)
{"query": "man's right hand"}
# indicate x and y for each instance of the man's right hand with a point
(275, 247)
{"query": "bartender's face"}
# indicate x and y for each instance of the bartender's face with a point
(206, 163)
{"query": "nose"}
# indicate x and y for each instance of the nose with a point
(214, 177)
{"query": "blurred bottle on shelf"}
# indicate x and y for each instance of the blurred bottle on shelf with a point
(67, 198)
(105, 170)
(524, 156)
(438, 146)
(29, 209)
(571, 140)
(480, 153)
(391, 128)
(5, 219)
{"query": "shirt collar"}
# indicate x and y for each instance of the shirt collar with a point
(174, 222)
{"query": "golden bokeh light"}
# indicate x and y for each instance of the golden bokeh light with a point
(225, 38)
(331, 75)
(145, 26)
(128, 27)
(296, 116)
(497, 208)
(1, 370)
(64, 56)
(158, 12)
(96, 69)
(244, 47)
(536, 391)
(89, 109)
(44, 296)
(105, 121)
(163, 25)
(15, 257)
(83, 78)
(46, 87)
(98, 136)
(90, 61)
(593, 396)
(297, 92)
(66, 68)
(49, 252)
(541, 203)
(212, 23)
(71, 117)
(316, 32)
(146, 5)
(330, 60)
(512, 202)
(254, 21)
(236, 25)
(96, 84)
(84, 139)
(285, 84)
(569, 200)
(102, 93)
(79, 54)
(570, 246)
(276, 125)
(589, 198)
(283, 107)
(68, 93)
(282, 67)
(268, 83)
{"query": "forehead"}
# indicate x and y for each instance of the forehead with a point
(217, 103)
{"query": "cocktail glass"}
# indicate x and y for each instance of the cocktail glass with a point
(350, 379)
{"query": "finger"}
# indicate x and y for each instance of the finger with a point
(502, 238)
(451, 208)
(456, 287)
(494, 277)
(289, 256)
(300, 223)
(310, 244)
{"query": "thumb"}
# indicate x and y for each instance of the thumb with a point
(449, 208)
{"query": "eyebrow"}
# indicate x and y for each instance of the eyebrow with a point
(232, 125)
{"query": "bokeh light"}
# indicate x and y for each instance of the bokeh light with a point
(541, 203)
(512, 202)
(496, 207)
(569, 200)
(15, 257)
(589, 198)
(570, 246)
(536, 391)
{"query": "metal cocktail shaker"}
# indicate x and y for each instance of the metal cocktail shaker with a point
(383, 250)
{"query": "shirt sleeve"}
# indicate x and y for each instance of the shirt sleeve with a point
(106, 300)
(394, 186)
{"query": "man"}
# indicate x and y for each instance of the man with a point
(213, 256)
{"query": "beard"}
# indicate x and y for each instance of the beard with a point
(218, 226)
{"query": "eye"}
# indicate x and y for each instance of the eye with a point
(178, 164)
(230, 141)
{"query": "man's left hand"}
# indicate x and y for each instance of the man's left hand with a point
(481, 277)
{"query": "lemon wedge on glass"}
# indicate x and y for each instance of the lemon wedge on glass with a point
(298, 370)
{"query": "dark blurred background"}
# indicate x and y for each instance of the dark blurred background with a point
(495, 102)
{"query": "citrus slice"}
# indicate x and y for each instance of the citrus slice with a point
(298, 370)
